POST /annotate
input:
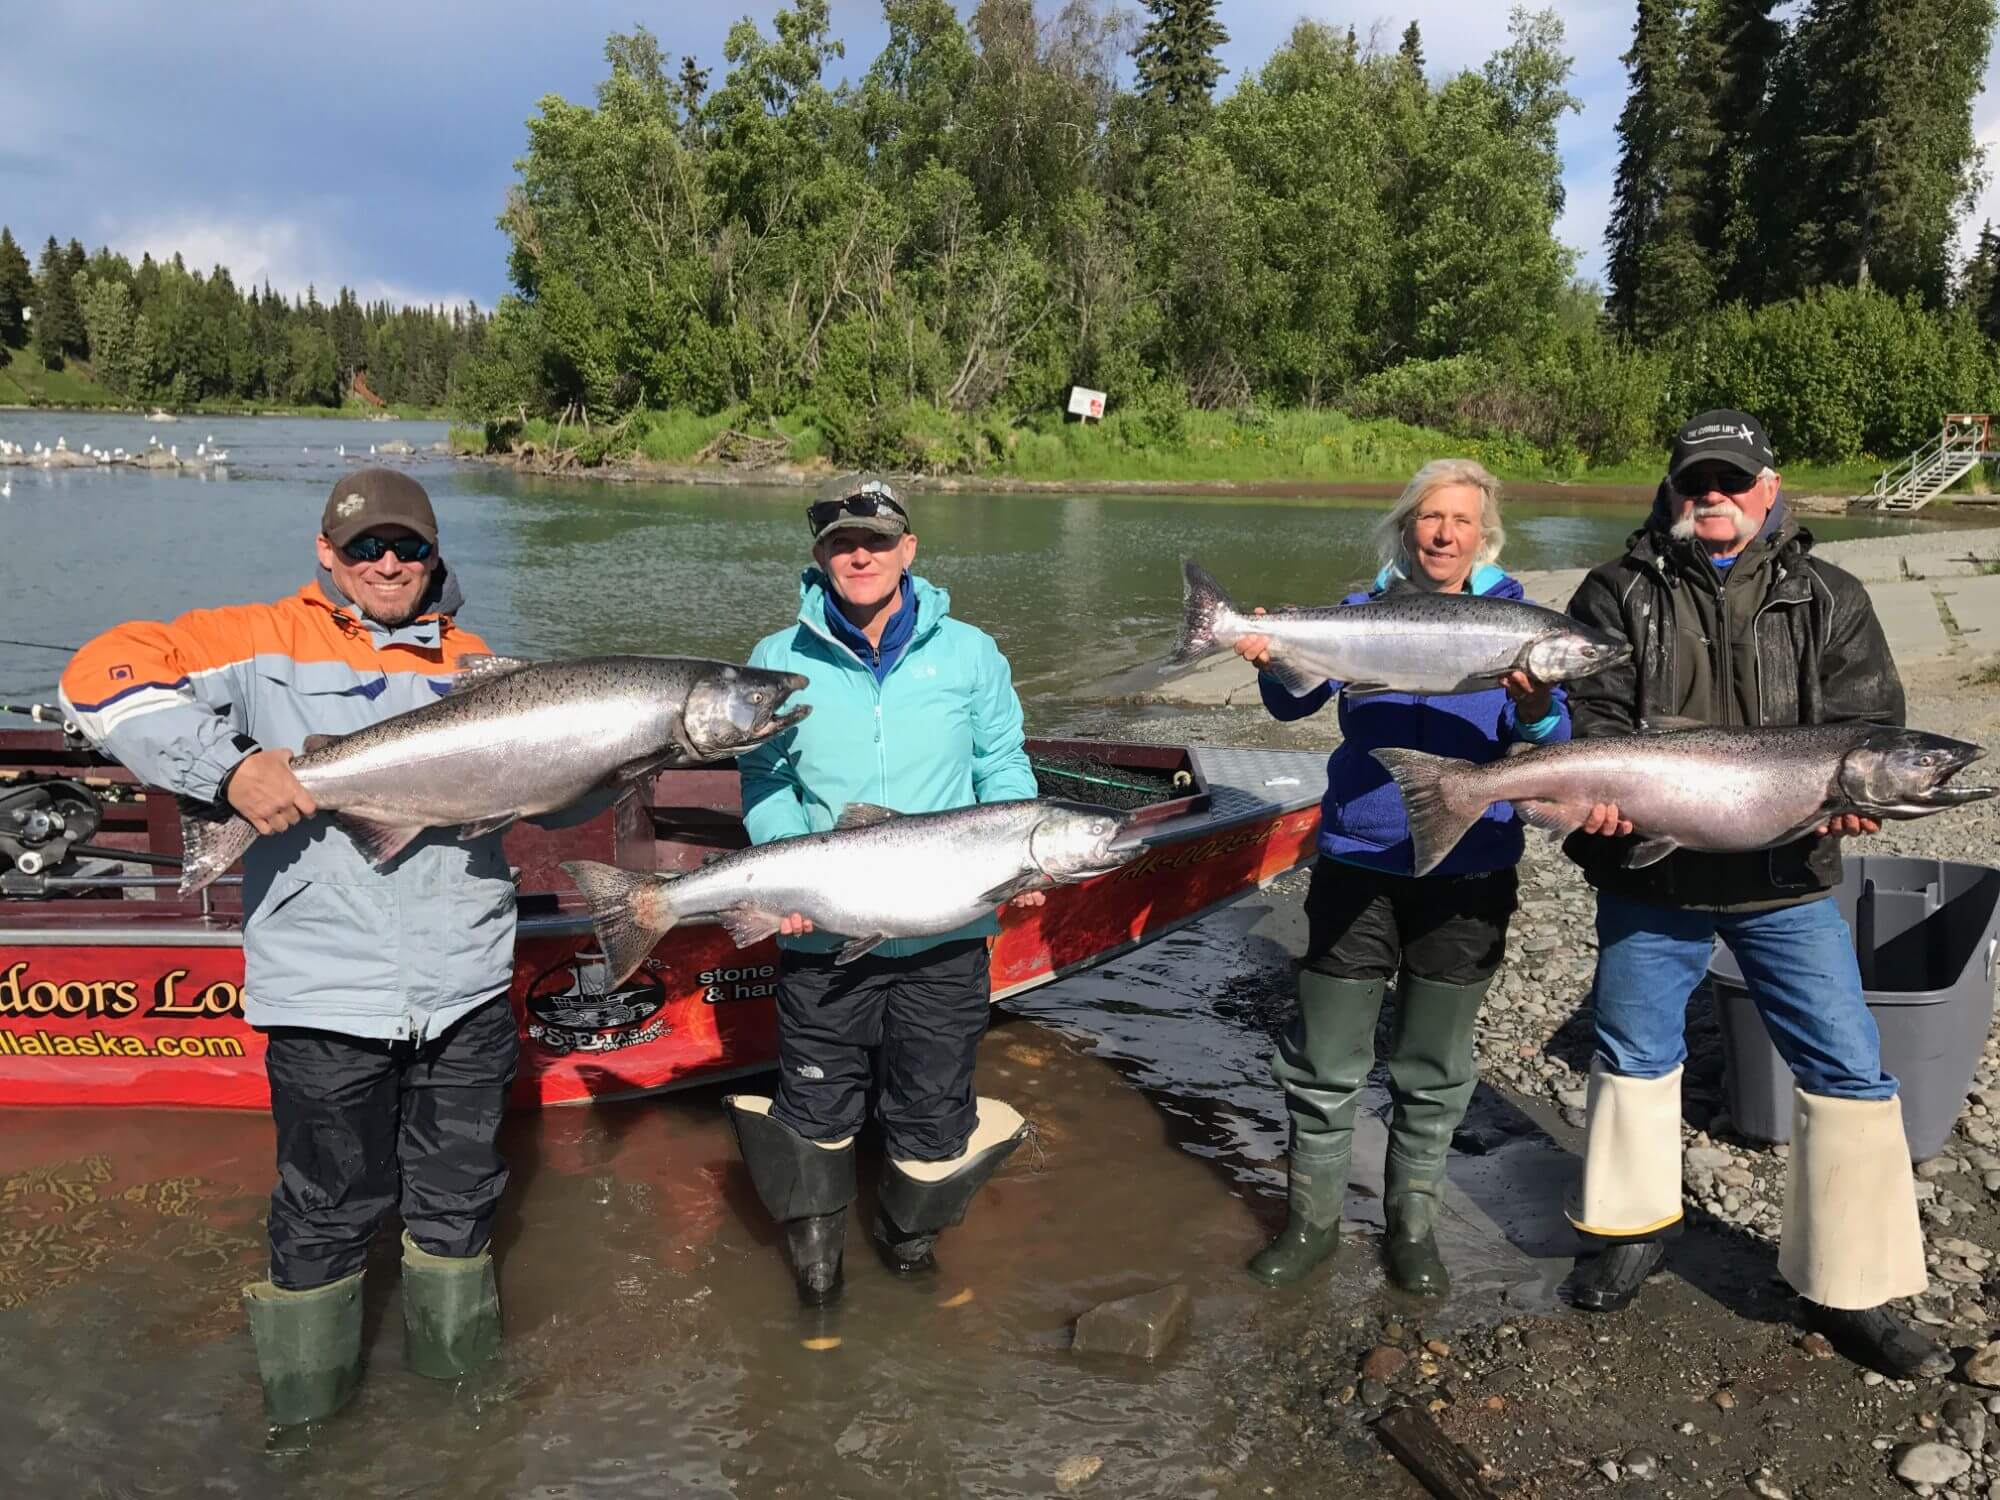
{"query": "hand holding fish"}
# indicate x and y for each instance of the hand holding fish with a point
(1030, 898)
(1847, 824)
(1532, 700)
(263, 789)
(795, 925)
(1255, 649)
(1604, 819)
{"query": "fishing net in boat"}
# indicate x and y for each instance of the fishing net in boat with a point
(1085, 778)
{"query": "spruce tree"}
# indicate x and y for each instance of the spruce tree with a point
(1732, 48)
(1412, 50)
(1645, 138)
(1176, 53)
(1870, 156)
(58, 325)
(17, 292)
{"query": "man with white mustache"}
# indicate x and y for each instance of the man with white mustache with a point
(1733, 621)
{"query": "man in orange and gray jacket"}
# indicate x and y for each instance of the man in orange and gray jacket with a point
(382, 993)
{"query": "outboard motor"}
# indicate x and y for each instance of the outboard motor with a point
(39, 823)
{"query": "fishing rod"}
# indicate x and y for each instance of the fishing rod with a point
(1130, 786)
(39, 646)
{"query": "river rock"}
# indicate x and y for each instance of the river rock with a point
(1141, 1327)
(1984, 1366)
(1072, 1474)
(1931, 1463)
(1761, 1483)
(1385, 1363)
(1967, 1420)
(1642, 1466)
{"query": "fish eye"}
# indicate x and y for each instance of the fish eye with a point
(757, 697)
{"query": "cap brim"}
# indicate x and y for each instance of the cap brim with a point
(1739, 458)
(885, 525)
(347, 531)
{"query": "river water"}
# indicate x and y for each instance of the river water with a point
(655, 1347)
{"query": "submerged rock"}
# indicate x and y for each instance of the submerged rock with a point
(1141, 1327)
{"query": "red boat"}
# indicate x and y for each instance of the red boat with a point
(115, 991)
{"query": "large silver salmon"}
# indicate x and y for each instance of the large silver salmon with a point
(876, 875)
(1692, 788)
(514, 739)
(1408, 641)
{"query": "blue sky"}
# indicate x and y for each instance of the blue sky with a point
(372, 143)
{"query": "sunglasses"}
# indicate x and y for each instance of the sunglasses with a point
(1729, 480)
(367, 549)
(823, 513)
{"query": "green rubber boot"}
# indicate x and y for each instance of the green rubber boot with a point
(1323, 1062)
(451, 1312)
(1431, 1076)
(308, 1347)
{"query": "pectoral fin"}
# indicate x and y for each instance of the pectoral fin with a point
(1007, 890)
(1364, 689)
(1649, 852)
(1294, 680)
(319, 742)
(749, 925)
(865, 944)
(1550, 817)
(485, 825)
(380, 841)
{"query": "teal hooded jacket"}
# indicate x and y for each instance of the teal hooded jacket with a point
(941, 730)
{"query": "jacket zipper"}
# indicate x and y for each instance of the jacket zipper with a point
(875, 685)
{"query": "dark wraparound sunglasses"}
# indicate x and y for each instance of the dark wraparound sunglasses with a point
(823, 513)
(367, 549)
(1728, 479)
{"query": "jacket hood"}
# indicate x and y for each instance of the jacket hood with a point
(933, 603)
(443, 599)
(1484, 580)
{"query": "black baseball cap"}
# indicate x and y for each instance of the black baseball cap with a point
(1723, 436)
(368, 498)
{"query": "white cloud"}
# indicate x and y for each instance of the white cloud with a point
(282, 251)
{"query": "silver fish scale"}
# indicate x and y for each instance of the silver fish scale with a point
(914, 876)
(1430, 643)
(1717, 789)
(530, 741)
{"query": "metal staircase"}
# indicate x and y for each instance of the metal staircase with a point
(1935, 467)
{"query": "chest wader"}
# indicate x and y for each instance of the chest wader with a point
(805, 1185)
(1323, 1061)
(1431, 1079)
(308, 1347)
(921, 1198)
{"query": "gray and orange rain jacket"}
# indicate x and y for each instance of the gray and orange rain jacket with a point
(329, 941)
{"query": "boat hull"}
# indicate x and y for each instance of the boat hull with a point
(150, 1014)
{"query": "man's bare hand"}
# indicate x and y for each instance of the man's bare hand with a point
(1604, 819)
(795, 925)
(263, 789)
(1255, 649)
(1848, 824)
(1533, 701)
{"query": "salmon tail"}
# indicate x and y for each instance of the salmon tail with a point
(1203, 603)
(627, 911)
(210, 846)
(1440, 807)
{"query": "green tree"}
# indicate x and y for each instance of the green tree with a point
(58, 326)
(120, 340)
(1412, 49)
(312, 368)
(1177, 57)
(1871, 152)
(17, 292)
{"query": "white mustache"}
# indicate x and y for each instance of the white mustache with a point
(1683, 529)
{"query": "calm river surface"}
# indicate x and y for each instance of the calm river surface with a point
(654, 1344)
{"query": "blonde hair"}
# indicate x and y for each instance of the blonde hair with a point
(1392, 532)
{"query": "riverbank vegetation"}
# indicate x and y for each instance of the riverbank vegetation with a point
(1317, 275)
(96, 330)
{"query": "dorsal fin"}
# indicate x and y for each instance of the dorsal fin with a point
(865, 815)
(1669, 724)
(476, 668)
(319, 742)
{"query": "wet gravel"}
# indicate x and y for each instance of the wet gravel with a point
(1706, 1385)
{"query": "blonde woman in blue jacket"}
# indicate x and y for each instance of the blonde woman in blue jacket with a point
(914, 711)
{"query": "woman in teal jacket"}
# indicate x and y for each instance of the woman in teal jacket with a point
(914, 711)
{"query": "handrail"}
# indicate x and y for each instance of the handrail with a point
(1914, 481)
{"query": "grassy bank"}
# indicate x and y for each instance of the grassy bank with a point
(1276, 449)
(24, 382)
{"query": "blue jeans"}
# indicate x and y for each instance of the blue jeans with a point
(1797, 961)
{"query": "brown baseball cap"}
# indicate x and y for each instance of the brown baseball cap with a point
(368, 498)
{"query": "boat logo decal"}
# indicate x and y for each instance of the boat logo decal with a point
(571, 1008)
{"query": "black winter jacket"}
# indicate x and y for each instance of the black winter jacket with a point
(1821, 658)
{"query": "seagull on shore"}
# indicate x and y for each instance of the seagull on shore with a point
(371, 450)
(6, 489)
(62, 444)
(174, 451)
